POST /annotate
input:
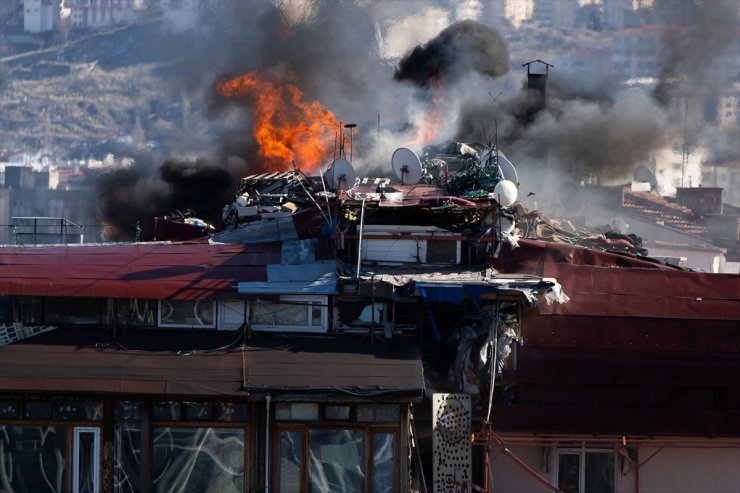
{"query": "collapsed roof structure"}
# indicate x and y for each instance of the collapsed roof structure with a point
(330, 310)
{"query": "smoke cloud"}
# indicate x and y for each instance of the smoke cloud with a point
(373, 63)
(461, 49)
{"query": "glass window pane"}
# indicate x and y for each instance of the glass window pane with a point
(383, 413)
(290, 460)
(186, 313)
(227, 411)
(9, 409)
(86, 461)
(166, 411)
(336, 458)
(34, 458)
(199, 411)
(297, 411)
(79, 410)
(37, 410)
(336, 413)
(206, 460)
(568, 472)
(599, 472)
(280, 314)
(127, 411)
(127, 459)
(383, 453)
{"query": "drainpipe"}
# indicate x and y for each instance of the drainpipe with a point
(268, 398)
(637, 469)
(359, 242)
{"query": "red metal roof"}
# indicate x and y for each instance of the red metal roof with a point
(137, 270)
(611, 285)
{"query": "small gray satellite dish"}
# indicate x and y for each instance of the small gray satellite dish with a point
(507, 169)
(406, 165)
(341, 175)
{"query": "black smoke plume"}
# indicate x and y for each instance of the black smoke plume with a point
(460, 49)
(129, 197)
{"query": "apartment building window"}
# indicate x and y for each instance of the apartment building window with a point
(581, 470)
(187, 313)
(291, 314)
(358, 454)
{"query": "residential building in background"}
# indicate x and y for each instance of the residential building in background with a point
(41, 15)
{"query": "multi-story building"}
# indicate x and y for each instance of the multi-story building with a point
(99, 13)
(41, 15)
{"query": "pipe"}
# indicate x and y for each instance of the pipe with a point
(637, 470)
(268, 398)
(359, 243)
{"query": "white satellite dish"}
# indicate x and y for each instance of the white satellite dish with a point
(406, 165)
(507, 169)
(341, 175)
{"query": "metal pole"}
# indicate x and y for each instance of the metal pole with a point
(359, 243)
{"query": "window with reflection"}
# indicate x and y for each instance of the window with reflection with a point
(352, 448)
(586, 471)
(33, 458)
(208, 460)
(336, 460)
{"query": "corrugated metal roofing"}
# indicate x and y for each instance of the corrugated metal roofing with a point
(137, 270)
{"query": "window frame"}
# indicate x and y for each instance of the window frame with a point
(212, 325)
(310, 302)
(369, 429)
(581, 452)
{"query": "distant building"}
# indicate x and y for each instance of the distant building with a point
(99, 13)
(724, 175)
(8, 8)
(41, 15)
(555, 13)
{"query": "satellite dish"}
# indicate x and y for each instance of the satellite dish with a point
(505, 193)
(507, 169)
(341, 175)
(406, 165)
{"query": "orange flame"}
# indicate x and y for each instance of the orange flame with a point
(287, 127)
(427, 133)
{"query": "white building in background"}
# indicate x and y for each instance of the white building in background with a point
(677, 168)
(725, 175)
(40, 16)
(179, 15)
(100, 13)
(518, 11)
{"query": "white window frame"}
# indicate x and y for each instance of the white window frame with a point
(581, 453)
(309, 301)
(212, 325)
(78, 430)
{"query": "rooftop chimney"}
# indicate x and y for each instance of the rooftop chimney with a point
(701, 201)
(537, 85)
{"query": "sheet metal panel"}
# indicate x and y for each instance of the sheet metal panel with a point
(618, 421)
(155, 270)
(607, 367)
(610, 332)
